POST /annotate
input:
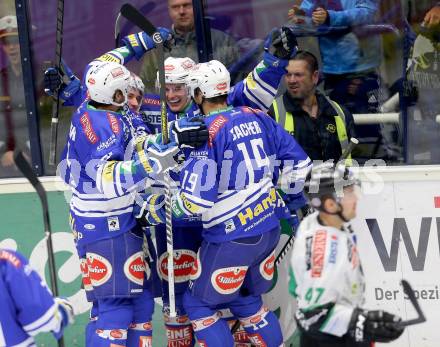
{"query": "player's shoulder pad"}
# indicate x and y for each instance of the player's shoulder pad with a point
(13, 258)
(99, 125)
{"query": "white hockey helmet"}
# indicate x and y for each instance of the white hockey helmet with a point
(136, 83)
(212, 78)
(103, 80)
(177, 70)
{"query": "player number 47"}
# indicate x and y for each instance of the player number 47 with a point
(314, 294)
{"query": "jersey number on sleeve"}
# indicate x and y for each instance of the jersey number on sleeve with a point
(189, 182)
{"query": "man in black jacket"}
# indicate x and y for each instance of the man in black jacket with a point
(321, 126)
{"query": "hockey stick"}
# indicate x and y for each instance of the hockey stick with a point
(134, 16)
(146, 8)
(290, 241)
(27, 172)
(412, 298)
(351, 145)
(56, 103)
(117, 29)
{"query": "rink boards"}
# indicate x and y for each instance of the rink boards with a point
(398, 234)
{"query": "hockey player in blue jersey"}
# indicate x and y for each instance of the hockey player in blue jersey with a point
(28, 307)
(104, 178)
(230, 182)
(257, 90)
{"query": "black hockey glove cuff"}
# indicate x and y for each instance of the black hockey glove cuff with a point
(283, 43)
(374, 326)
(190, 133)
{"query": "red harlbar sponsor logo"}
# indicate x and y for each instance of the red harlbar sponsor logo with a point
(88, 130)
(318, 252)
(215, 127)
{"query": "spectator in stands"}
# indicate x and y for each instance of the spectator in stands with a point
(320, 125)
(421, 98)
(432, 17)
(181, 13)
(13, 123)
(350, 62)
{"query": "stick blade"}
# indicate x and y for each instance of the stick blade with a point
(137, 18)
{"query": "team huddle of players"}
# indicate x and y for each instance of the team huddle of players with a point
(225, 158)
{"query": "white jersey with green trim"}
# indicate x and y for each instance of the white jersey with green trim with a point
(327, 277)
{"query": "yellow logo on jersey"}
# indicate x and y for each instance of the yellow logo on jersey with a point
(133, 41)
(250, 82)
(193, 208)
(107, 171)
(109, 57)
(250, 214)
(71, 222)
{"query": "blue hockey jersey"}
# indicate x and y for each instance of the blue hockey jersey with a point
(99, 168)
(27, 306)
(257, 90)
(231, 180)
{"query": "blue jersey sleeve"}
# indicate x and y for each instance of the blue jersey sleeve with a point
(199, 180)
(259, 88)
(96, 140)
(35, 308)
(201, 176)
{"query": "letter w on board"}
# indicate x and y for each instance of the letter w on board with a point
(400, 229)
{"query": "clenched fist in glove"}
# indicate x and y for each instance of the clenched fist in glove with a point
(189, 132)
(140, 42)
(63, 80)
(281, 43)
(374, 326)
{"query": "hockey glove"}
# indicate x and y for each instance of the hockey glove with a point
(152, 211)
(63, 80)
(189, 132)
(374, 326)
(155, 158)
(164, 157)
(141, 42)
(65, 309)
(281, 43)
